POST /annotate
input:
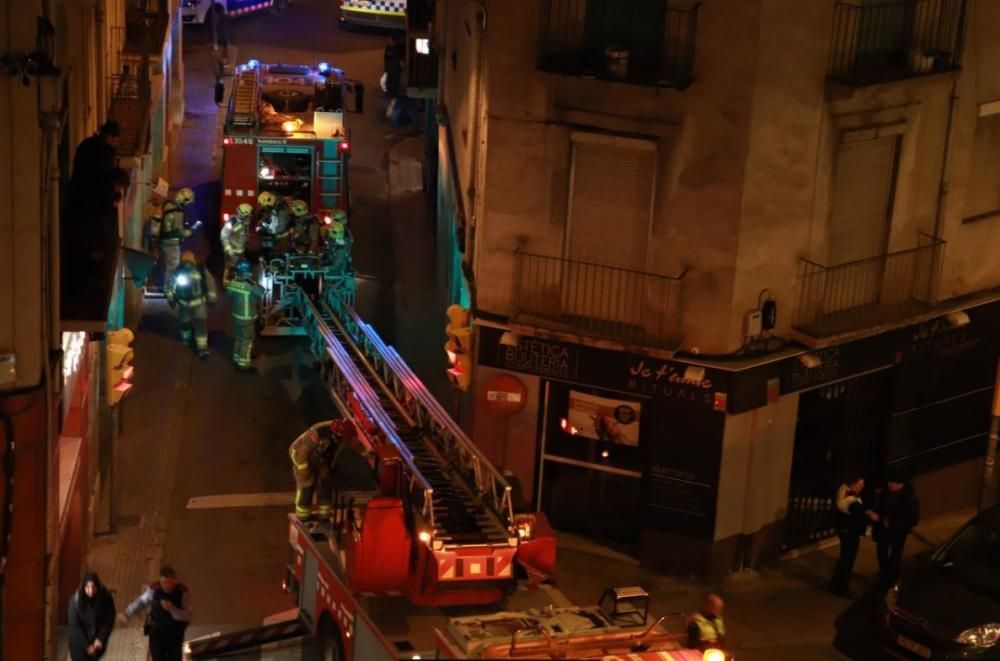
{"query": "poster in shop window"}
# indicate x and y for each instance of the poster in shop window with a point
(602, 419)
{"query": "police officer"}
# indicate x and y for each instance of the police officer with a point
(245, 295)
(305, 229)
(167, 230)
(190, 291)
(706, 628)
(169, 604)
(311, 469)
(852, 522)
(234, 239)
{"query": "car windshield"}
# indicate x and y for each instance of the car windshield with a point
(973, 557)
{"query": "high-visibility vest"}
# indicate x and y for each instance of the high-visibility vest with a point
(243, 293)
(709, 631)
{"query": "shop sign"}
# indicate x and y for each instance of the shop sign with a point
(533, 356)
(603, 419)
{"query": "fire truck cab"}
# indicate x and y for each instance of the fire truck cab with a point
(285, 133)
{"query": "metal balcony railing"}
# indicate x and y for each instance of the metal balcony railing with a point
(831, 300)
(594, 299)
(645, 42)
(878, 42)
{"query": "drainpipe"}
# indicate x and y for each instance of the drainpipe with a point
(943, 185)
(474, 166)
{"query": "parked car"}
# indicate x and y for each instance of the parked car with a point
(950, 607)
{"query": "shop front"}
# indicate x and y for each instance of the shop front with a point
(617, 447)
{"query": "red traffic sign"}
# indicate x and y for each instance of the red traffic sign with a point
(505, 395)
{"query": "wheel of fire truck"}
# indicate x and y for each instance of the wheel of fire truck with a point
(279, 7)
(326, 644)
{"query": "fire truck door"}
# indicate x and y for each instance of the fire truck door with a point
(330, 173)
(307, 591)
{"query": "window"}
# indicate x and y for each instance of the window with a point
(648, 42)
(982, 196)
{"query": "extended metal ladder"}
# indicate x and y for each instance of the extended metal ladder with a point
(461, 497)
(246, 98)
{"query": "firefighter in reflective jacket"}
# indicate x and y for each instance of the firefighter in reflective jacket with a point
(272, 224)
(338, 243)
(305, 229)
(311, 468)
(245, 295)
(234, 239)
(706, 629)
(190, 291)
(167, 229)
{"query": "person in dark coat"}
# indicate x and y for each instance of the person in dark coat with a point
(852, 521)
(92, 181)
(898, 512)
(91, 619)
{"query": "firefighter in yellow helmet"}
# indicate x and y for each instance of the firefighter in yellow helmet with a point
(339, 242)
(305, 229)
(234, 239)
(311, 470)
(190, 290)
(273, 220)
(167, 230)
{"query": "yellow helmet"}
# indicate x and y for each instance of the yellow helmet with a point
(184, 197)
(339, 215)
(299, 208)
(244, 211)
(336, 232)
(188, 256)
(266, 199)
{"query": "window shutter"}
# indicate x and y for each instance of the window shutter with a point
(862, 193)
(983, 193)
(611, 204)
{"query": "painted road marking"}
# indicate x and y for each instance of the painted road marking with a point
(226, 500)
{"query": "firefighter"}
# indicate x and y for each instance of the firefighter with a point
(273, 222)
(304, 230)
(167, 230)
(234, 239)
(190, 291)
(706, 629)
(245, 295)
(312, 472)
(338, 243)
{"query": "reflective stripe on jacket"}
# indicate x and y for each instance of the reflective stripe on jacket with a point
(709, 630)
(244, 294)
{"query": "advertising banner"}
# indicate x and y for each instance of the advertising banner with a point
(602, 419)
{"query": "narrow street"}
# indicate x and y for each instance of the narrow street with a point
(202, 473)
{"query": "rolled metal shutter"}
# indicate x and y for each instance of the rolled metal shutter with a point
(611, 203)
(982, 196)
(862, 194)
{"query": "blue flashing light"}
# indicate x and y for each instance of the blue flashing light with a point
(253, 64)
(323, 67)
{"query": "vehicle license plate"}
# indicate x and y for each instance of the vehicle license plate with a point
(914, 647)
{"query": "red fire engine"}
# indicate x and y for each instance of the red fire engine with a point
(285, 133)
(427, 556)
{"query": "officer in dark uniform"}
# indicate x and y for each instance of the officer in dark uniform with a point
(169, 605)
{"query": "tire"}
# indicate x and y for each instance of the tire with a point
(326, 644)
(279, 7)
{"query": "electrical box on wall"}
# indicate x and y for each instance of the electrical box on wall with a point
(752, 324)
(8, 368)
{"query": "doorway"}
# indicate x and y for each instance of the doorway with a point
(841, 429)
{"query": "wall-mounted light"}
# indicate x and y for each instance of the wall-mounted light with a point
(509, 339)
(958, 319)
(422, 46)
(810, 361)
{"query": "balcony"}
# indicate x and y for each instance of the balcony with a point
(835, 300)
(895, 40)
(576, 297)
(645, 42)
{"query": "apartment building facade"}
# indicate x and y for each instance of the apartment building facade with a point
(723, 254)
(64, 75)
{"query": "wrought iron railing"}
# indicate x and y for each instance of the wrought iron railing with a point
(830, 300)
(630, 306)
(895, 39)
(647, 42)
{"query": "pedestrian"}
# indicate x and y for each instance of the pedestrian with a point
(190, 292)
(245, 295)
(168, 229)
(91, 618)
(392, 76)
(852, 521)
(898, 512)
(92, 182)
(169, 604)
(706, 628)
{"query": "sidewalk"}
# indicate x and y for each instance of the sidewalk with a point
(780, 613)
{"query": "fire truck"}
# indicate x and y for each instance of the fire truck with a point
(285, 133)
(428, 553)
